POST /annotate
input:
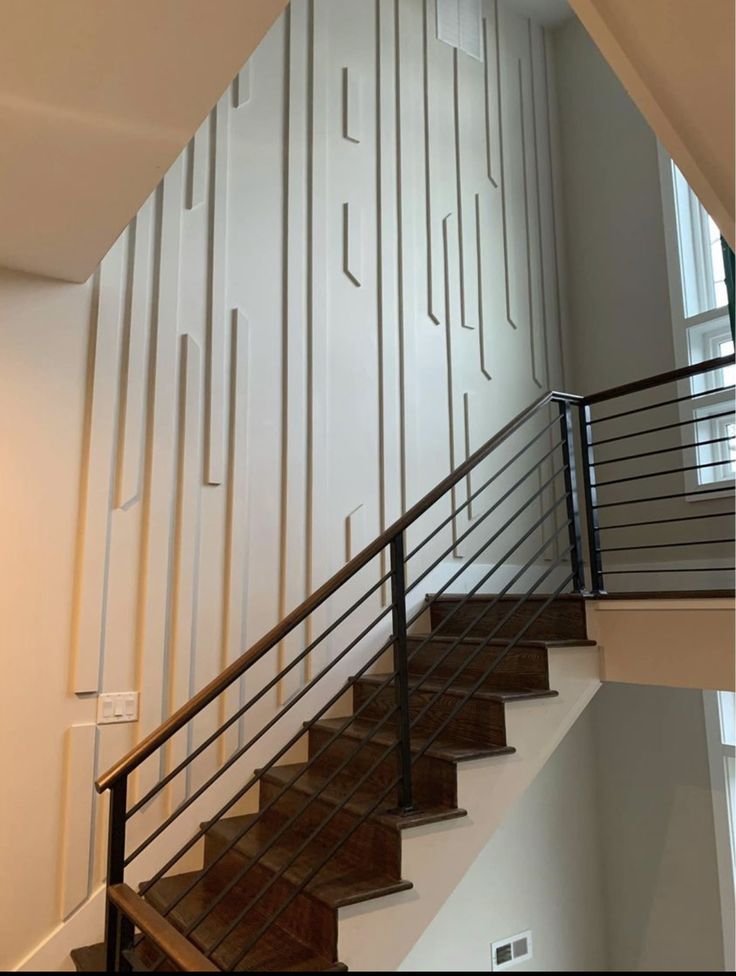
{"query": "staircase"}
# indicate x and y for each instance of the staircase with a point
(430, 719)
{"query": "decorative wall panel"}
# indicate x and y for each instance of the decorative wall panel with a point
(254, 418)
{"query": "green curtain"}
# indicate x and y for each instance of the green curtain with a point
(728, 264)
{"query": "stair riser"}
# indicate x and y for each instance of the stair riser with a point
(479, 723)
(521, 668)
(435, 781)
(306, 917)
(560, 620)
(370, 843)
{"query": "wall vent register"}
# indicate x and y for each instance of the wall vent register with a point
(511, 951)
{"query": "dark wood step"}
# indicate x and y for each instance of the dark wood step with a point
(337, 884)
(562, 619)
(276, 950)
(435, 779)
(523, 666)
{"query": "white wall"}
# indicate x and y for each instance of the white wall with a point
(657, 834)
(282, 352)
(619, 327)
(541, 871)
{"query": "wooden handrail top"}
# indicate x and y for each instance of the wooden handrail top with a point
(152, 742)
(660, 379)
(175, 946)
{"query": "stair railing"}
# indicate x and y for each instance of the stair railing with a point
(558, 425)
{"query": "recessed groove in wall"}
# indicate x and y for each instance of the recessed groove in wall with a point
(504, 204)
(197, 167)
(467, 397)
(77, 836)
(294, 393)
(400, 252)
(355, 532)
(490, 165)
(554, 179)
(320, 210)
(433, 300)
(484, 367)
(352, 243)
(464, 315)
(219, 153)
(133, 380)
(389, 394)
(182, 636)
(235, 589)
(455, 493)
(98, 476)
(527, 229)
(241, 88)
(352, 114)
(158, 510)
(540, 225)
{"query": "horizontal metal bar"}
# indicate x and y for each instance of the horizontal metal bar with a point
(679, 518)
(182, 716)
(662, 450)
(258, 775)
(482, 518)
(461, 702)
(482, 488)
(660, 403)
(665, 569)
(339, 843)
(263, 691)
(659, 380)
(657, 430)
(657, 474)
(662, 498)
(665, 545)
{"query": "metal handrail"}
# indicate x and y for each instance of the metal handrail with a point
(574, 412)
(182, 716)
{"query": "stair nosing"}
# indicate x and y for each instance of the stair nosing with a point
(501, 696)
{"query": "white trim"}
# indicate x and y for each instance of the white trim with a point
(83, 927)
(721, 827)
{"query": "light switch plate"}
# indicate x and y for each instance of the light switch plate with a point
(117, 706)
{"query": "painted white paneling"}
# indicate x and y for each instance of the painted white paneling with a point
(304, 329)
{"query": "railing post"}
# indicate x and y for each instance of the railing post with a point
(571, 494)
(401, 667)
(597, 584)
(118, 928)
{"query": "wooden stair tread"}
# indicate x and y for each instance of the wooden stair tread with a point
(552, 642)
(487, 597)
(340, 882)
(459, 689)
(311, 781)
(276, 950)
(440, 748)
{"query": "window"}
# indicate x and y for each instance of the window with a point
(701, 329)
(459, 24)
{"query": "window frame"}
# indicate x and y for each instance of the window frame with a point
(685, 327)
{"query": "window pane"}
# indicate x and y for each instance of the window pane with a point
(701, 256)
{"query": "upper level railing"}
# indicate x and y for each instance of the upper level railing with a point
(508, 522)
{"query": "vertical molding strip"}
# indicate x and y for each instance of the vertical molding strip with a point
(77, 834)
(197, 167)
(296, 243)
(132, 406)
(182, 634)
(219, 153)
(235, 596)
(157, 527)
(97, 477)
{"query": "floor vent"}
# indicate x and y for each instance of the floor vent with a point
(511, 951)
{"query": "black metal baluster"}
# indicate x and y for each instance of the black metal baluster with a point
(571, 494)
(401, 667)
(597, 583)
(118, 928)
